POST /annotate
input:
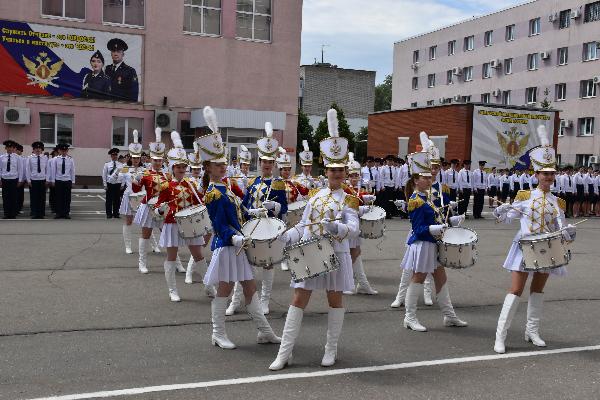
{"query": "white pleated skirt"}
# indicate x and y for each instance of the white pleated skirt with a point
(338, 281)
(515, 257)
(169, 237)
(124, 208)
(421, 256)
(227, 266)
(143, 217)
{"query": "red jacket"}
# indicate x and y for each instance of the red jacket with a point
(234, 187)
(356, 193)
(293, 189)
(154, 182)
(178, 195)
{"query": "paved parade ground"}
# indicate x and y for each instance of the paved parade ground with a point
(77, 320)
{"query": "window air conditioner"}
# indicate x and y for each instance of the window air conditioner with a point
(457, 71)
(415, 66)
(552, 17)
(593, 160)
(495, 63)
(566, 123)
(165, 119)
(457, 97)
(597, 79)
(17, 116)
(575, 14)
(545, 55)
(497, 93)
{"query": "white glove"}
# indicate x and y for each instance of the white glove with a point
(369, 198)
(453, 205)
(257, 212)
(400, 204)
(284, 237)
(437, 230)
(457, 220)
(501, 209)
(272, 206)
(238, 240)
(330, 226)
(570, 232)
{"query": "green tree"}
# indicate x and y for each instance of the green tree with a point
(322, 131)
(305, 131)
(360, 150)
(546, 104)
(383, 94)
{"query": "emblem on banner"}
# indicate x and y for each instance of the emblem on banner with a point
(513, 144)
(42, 73)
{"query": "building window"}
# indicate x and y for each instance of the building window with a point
(254, 20)
(486, 72)
(451, 47)
(432, 52)
(590, 51)
(487, 38)
(202, 16)
(561, 129)
(56, 128)
(563, 56)
(431, 80)
(415, 56)
(430, 102)
(413, 105)
(508, 66)
(564, 19)
(68, 9)
(486, 98)
(510, 33)
(466, 99)
(586, 126)
(561, 91)
(449, 77)
(415, 83)
(469, 43)
(468, 73)
(533, 61)
(531, 95)
(534, 26)
(122, 130)
(506, 97)
(582, 160)
(587, 89)
(124, 12)
(592, 12)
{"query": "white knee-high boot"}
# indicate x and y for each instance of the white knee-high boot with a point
(428, 290)
(509, 309)
(534, 313)
(410, 306)
(127, 238)
(155, 246)
(170, 278)
(293, 322)
(236, 299)
(143, 250)
(363, 286)
(265, 332)
(219, 336)
(189, 271)
(179, 265)
(404, 283)
(335, 321)
(450, 318)
(266, 288)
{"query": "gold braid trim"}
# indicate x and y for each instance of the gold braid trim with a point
(212, 194)
(278, 184)
(415, 203)
(523, 195)
(351, 201)
(562, 203)
(445, 189)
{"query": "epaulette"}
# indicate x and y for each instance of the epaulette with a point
(313, 192)
(278, 184)
(251, 181)
(212, 194)
(124, 170)
(414, 203)
(445, 189)
(523, 195)
(352, 201)
(164, 185)
(561, 203)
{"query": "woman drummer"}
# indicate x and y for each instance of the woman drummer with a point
(127, 176)
(180, 194)
(333, 212)
(538, 211)
(229, 263)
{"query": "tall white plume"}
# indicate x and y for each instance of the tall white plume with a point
(305, 145)
(543, 135)
(269, 129)
(424, 140)
(135, 136)
(244, 148)
(332, 123)
(158, 134)
(196, 147)
(211, 119)
(176, 139)
(350, 157)
(282, 150)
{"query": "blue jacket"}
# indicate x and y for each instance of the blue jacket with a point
(440, 191)
(224, 215)
(277, 194)
(421, 215)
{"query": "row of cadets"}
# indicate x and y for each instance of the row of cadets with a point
(306, 161)
(153, 181)
(12, 174)
(493, 185)
(36, 171)
(127, 174)
(538, 211)
(61, 177)
(180, 193)
(229, 263)
(112, 183)
(370, 175)
(336, 213)
(266, 192)
(366, 200)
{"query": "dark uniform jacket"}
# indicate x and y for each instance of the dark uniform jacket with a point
(124, 83)
(96, 87)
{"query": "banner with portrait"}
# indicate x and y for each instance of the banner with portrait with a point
(47, 60)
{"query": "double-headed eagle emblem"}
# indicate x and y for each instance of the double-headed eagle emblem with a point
(42, 73)
(512, 143)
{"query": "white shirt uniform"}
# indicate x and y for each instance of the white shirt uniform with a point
(465, 180)
(568, 184)
(15, 167)
(370, 177)
(480, 179)
(56, 171)
(403, 175)
(452, 177)
(110, 172)
(387, 177)
(36, 168)
(233, 170)
(493, 180)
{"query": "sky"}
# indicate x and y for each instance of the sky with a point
(360, 34)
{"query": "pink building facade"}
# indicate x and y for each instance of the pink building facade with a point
(239, 56)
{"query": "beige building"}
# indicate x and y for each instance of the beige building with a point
(523, 55)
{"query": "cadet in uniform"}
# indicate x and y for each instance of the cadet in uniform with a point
(112, 184)
(36, 170)
(465, 186)
(21, 186)
(96, 85)
(124, 83)
(480, 184)
(62, 177)
(12, 178)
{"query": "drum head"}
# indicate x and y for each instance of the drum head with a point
(374, 214)
(297, 205)
(541, 236)
(457, 235)
(267, 229)
(190, 211)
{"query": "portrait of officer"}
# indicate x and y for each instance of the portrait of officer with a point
(124, 83)
(96, 85)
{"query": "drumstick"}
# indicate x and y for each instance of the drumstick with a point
(250, 235)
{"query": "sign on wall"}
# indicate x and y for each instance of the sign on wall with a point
(503, 137)
(59, 61)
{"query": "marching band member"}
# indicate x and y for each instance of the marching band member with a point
(421, 255)
(267, 192)
(336, 213)
(306, 161)
(538, 211)
(294, 191)
(229, 263)
(181, 193)
(127, 175)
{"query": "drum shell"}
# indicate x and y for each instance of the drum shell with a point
(264, 252)
(458, 255)
(544, 252)
(295, 211)
(135, 199)
(194, 224)
(156, 217)
(373, 228)
(311, 258)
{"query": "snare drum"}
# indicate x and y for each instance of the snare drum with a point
(295, 211)
(372, 223)
(311, 258)
(135, 199)
(543, 252)
(264, 249)
(156, 217)
(193, 222)
(457, 248)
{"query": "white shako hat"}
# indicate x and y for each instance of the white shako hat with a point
(306, 156)
(244, 156)
(419, 163)
(353, 165)
(211, 146)
(267, 146)
(334, 150)
(135, 148)
(157, 148)
(195, 160)
(543, 158)
(177, 154)
(284, 160)
(429, 146)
